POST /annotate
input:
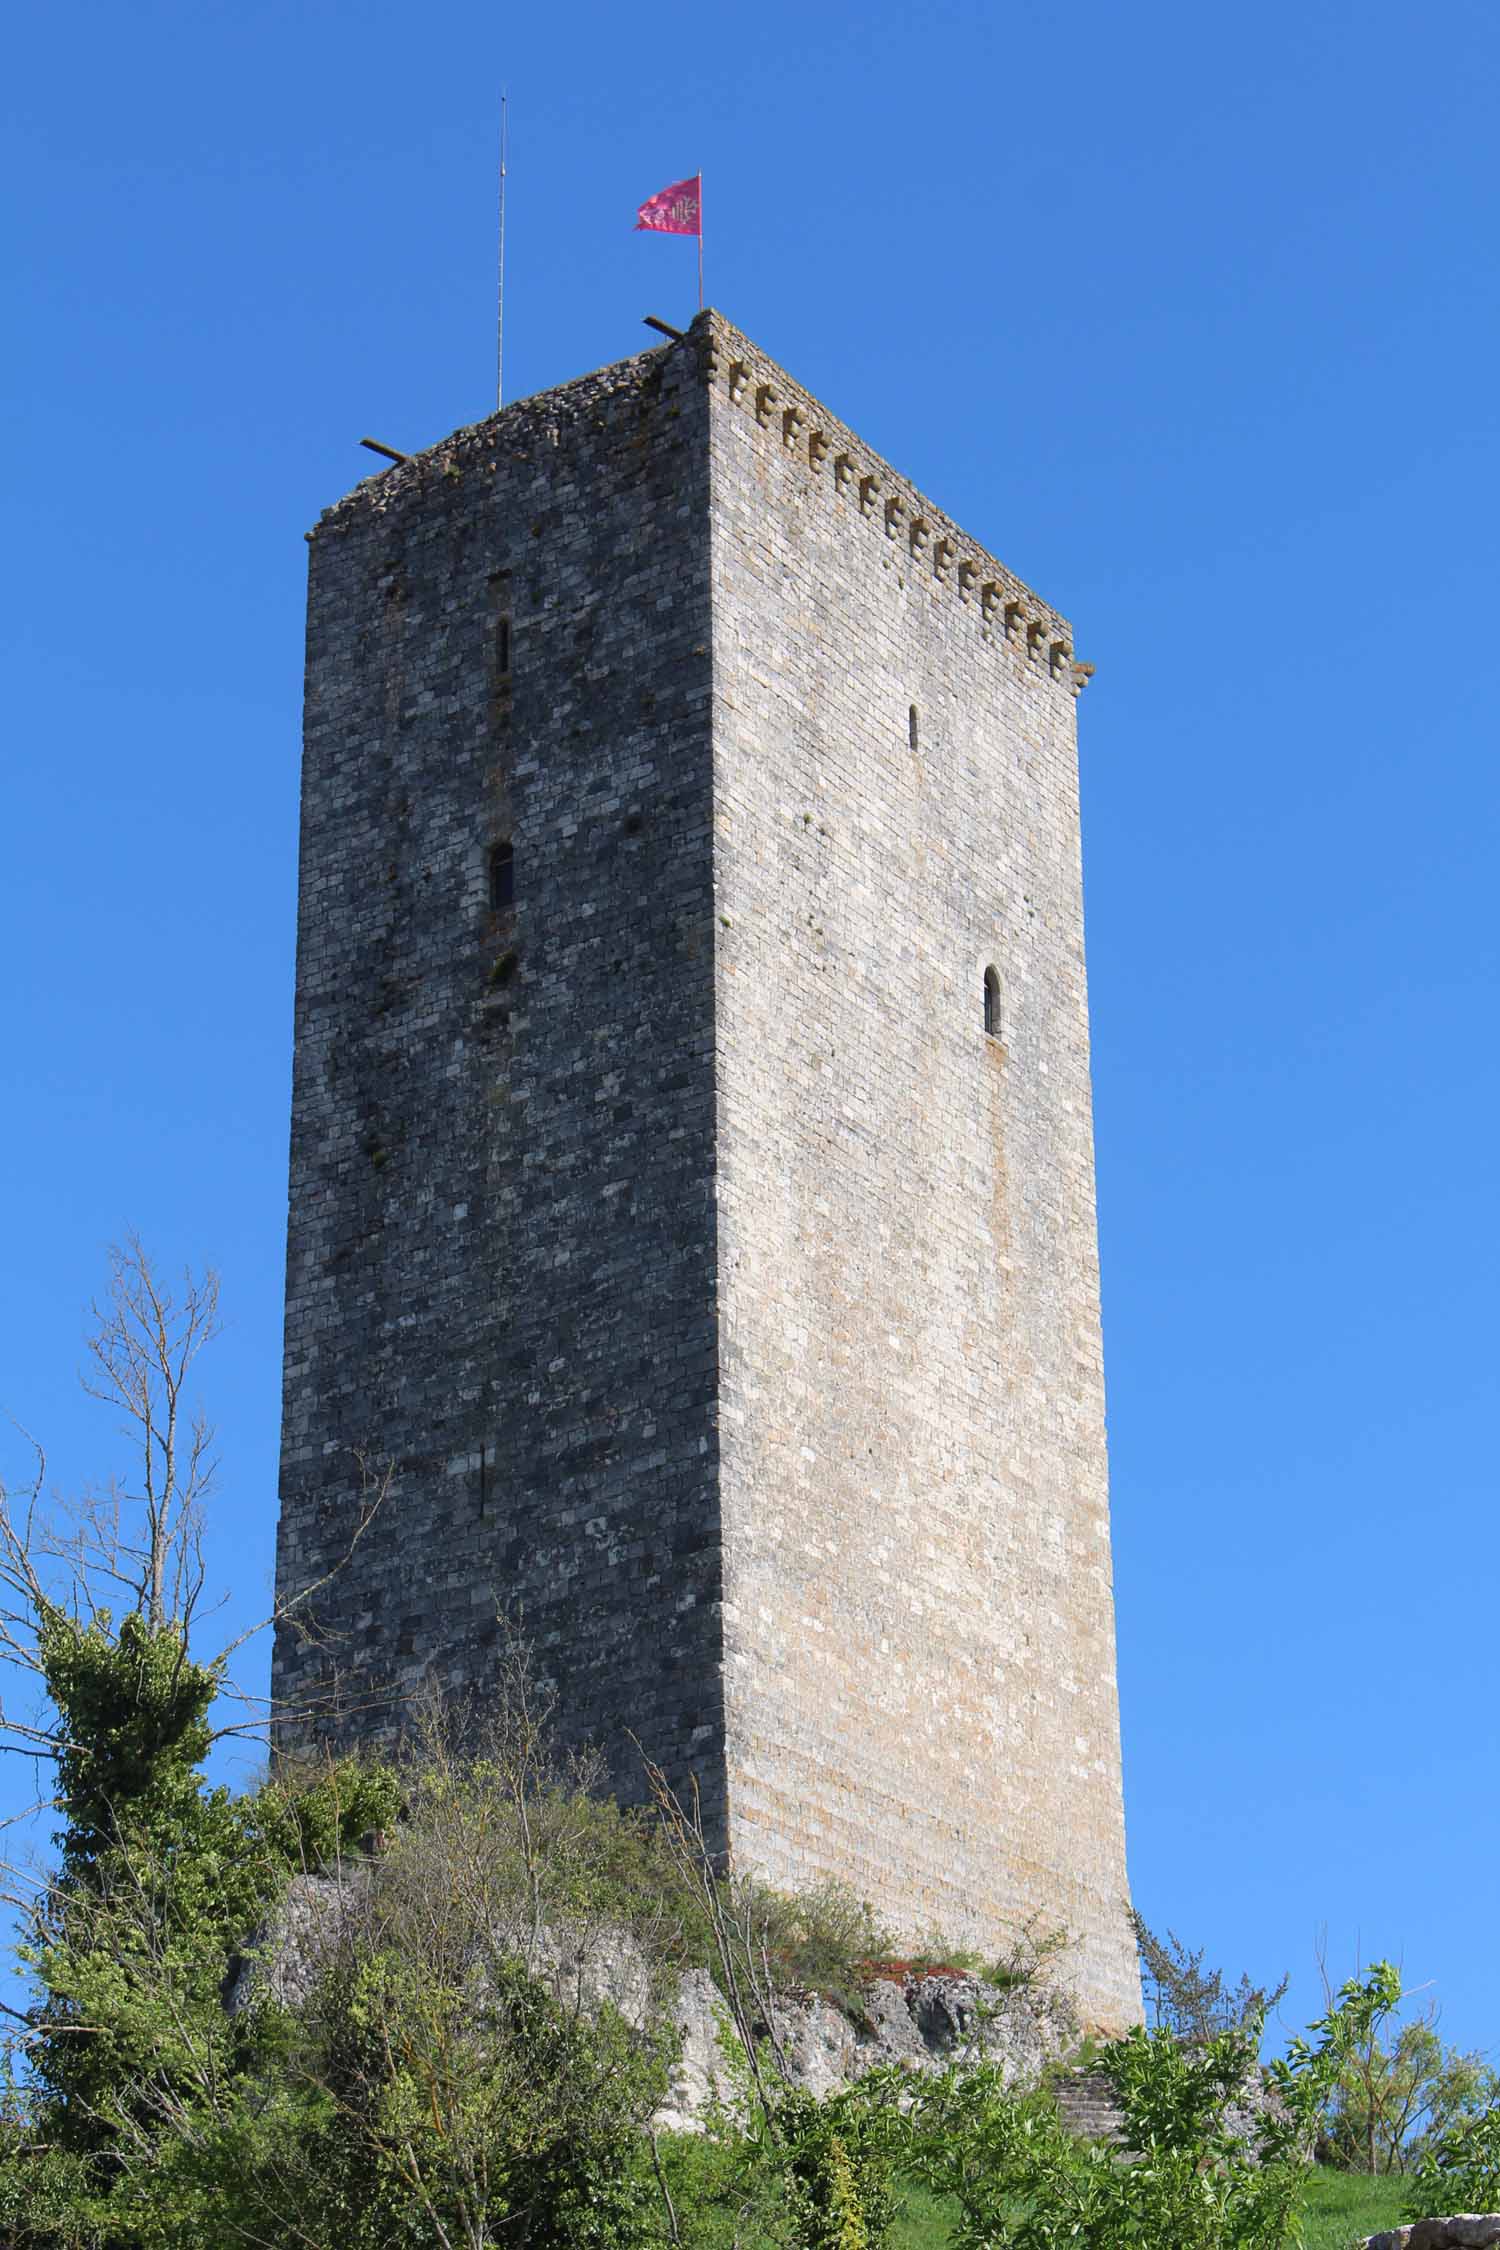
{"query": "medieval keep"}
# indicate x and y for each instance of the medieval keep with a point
(692, 1185)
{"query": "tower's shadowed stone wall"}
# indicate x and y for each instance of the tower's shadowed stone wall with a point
(501, 1264)
(724, 1291)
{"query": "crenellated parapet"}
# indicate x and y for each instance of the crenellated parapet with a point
(793, 427)
(930, 545)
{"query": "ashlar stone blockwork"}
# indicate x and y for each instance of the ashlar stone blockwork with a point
(723, 1291)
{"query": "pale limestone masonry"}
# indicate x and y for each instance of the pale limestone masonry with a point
(725, 1290)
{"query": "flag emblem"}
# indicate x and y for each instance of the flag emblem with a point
(678, 209)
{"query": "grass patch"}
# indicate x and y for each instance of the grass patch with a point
(924, 2223)
(1342, 2206)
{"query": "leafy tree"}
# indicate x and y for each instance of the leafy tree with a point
(1400, 2089)
(129, 1937)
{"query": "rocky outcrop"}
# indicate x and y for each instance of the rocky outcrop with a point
(921, 2020)
(1466, 2230)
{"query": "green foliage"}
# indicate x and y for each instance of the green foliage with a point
(1341, 2207)
(44, 2192)
(482, 2035)
(822, 1940)
(133, 1724)
(1338, 2209)
(320, 1814)
(809, 2175)
(1459, 2168)
(995, 2155)
(1192, 2002)
(838, 2162)
(409, 2113)
(1400, 2090)
(161, 1881)
(159, 1877)
(1018, 2180)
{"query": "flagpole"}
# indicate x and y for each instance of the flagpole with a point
(700, 242)
(500, 283)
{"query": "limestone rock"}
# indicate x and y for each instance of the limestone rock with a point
(288, 1952)
(923, 2022)
(1465, 2230)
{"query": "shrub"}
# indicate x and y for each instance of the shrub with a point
(1459, 2170)
(1189, 2000)
(1019, 2178)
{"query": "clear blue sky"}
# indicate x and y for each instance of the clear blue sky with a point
(1189, 313)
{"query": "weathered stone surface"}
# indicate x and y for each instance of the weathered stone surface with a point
(285, 1958)
(923, 2023)
(725, 1295)
(1464, 2231)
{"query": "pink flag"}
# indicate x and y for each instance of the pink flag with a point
(677, 210)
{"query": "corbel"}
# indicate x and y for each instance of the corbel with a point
(942, 555)
(1082, 674)
(1036, 633)
(1015, 618)
(967, 573)
(893, 509)
(791, 422)
(765, 399)
(868, 487)
(817, 449)
(989, 600)
(1058, 654)
(739, 380)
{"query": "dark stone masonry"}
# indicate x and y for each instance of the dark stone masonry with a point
(691, 1172)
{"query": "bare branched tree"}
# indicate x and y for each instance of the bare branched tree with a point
(746, 1975)
(135, 1546)
(141, 1351)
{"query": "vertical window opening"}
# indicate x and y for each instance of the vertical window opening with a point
(911, 726)
(502, 877)
(501, 610)
(993, 1022)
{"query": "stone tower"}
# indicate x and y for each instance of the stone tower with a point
(692, 1186)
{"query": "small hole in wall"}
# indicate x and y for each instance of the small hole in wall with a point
(502, 645)
(911, 726)
(502, 877)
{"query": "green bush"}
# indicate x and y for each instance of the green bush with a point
(1459, 2170)
(1018, 2179)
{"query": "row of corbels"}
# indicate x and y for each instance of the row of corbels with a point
(997, 605)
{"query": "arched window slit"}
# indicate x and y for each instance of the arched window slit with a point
(994, 1023)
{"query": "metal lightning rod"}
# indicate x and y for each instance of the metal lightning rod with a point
(500, 293)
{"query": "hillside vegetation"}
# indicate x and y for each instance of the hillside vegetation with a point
(427, 2005)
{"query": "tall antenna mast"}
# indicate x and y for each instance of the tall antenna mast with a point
(500, 294)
